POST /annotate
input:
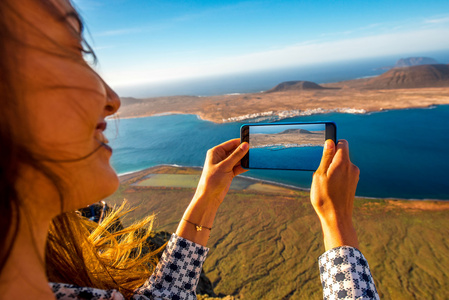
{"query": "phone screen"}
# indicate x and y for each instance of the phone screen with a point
(286, 146)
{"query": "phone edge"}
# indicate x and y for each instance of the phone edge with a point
(244, 137)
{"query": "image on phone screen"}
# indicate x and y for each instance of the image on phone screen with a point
(286, 146)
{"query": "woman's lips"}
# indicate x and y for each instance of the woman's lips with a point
(102, 126)
(99, 136)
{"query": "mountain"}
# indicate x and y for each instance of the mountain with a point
(411, 77)
(415, 61)
(288, 131)
(295, 85)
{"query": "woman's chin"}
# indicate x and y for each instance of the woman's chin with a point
(94, 186)
(110, 183)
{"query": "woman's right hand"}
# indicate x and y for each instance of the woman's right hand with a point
(221, 166)
(332, 195)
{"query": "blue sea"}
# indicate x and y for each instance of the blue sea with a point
(400, 153)
(294, 158)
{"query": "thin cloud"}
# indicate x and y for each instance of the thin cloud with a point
(219, 10)
(371, 46)
(437, 20)
(171, 22)
(119, 32)
(355, 30)
(99, 48)
(371, 26)
(305, 53)
(346, 32)
(132, 30)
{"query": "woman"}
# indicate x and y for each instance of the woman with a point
(55, 159)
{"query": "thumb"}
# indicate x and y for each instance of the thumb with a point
(328, 155)
(237, 155)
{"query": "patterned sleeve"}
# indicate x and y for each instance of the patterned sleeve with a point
(66, 291)
(345, 274)
(177, 274)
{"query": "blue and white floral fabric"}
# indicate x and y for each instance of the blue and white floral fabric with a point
(344, 272)
(177, 274)
(175, 277)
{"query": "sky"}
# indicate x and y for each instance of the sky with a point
(147, 41)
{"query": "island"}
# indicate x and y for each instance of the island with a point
(288, 138)
(417, 86)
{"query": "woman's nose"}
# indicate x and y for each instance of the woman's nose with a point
(113, 101)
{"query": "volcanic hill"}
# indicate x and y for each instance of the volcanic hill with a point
(411, 77)
(288, 131)
(295, 86)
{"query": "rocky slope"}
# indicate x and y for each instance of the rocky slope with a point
(421, 76)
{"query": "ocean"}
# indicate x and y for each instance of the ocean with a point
(400, 153)
(294, 158)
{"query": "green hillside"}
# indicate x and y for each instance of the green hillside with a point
(265, 242)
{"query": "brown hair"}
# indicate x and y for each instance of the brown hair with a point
(78, 251)
(82, 252)
(10, 150)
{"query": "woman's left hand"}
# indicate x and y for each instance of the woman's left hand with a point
(221, 166)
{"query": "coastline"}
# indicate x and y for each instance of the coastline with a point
(282, 105)
(196, 170)
(415, 87)
(278, 116)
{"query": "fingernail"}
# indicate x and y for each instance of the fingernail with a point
(328, 144)
(244, 146)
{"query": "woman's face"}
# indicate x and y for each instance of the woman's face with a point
(65, 102)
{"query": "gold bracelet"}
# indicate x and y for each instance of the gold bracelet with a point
(198, 227)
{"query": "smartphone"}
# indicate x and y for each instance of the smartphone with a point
(286, 146)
